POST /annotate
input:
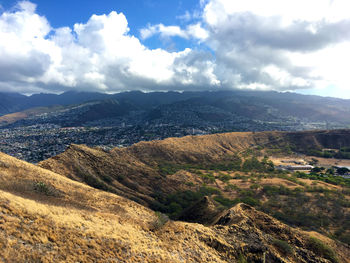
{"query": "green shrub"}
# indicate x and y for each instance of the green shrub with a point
(208, 178)
(231, 187)
(254, 186)
(283, 247)
(242, 259)
(173, 204)
(45, 189)
(107, 178)
(225, 201)
(207, 190)
(319, 248)
(250, 201)
(160, 221)
(175, 208)
(41, 187)
(95, 182)
(253, 164)
(225, 178)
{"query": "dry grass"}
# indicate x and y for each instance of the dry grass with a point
(286, 160)
(49, 233)
(13, 117)
(46, 217)
(329, 161)
(82, 224)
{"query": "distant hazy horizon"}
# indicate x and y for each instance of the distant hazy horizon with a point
(300, 92)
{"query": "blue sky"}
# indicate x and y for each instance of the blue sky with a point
(139, 13)
(67, 13)
(111, 46)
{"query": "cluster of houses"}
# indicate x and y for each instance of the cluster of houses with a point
(292, 165)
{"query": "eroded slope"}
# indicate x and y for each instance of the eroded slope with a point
(49, 218)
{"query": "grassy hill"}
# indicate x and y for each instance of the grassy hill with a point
(172, 175)
(46, 217)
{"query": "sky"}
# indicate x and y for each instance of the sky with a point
(155, 45)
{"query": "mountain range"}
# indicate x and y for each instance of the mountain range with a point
(216, 106)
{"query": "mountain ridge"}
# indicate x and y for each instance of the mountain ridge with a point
(140, 160)
(47, 217)
(250, 104)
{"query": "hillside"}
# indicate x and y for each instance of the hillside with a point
(261, 105)
(197, 150)
(15, 102)
(72, 115)
(173, 174)
(111, 120)
(46, 217)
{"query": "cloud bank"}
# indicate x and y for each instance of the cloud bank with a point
(251, 44)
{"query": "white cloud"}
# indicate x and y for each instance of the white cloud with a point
(24, 51)
(97, 55)
(195, 31)
(186, 17)
(289, 11)
(282, 45)
(253, 44)
(164, 31)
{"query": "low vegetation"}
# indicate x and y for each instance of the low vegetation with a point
(168, 168)
(172, 175)
(43, 188)
(283, 246)
(320, 248)
(324, 208)
(159, 222)
(342, 153)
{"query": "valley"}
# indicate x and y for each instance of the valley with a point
(171, 175)
(202, 131)
(211, 198)
(122, 119)
(124, 180)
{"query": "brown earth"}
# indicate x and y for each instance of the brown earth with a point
(46, 217)
(17, 116)
(133, 171)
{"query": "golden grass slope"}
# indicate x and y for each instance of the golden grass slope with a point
(219, 146)
(76, 223)
(46, 217)
(194, 149)
(21, 115)
(125, 174)
(133, 172)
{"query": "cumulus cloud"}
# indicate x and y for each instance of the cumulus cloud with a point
(279, 45)
(164, 31)
(272, 44)
(97, 55)
(251, 44)
(195, 31)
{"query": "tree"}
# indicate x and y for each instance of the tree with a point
(330, 170)
(342, 170)
(317, 169)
